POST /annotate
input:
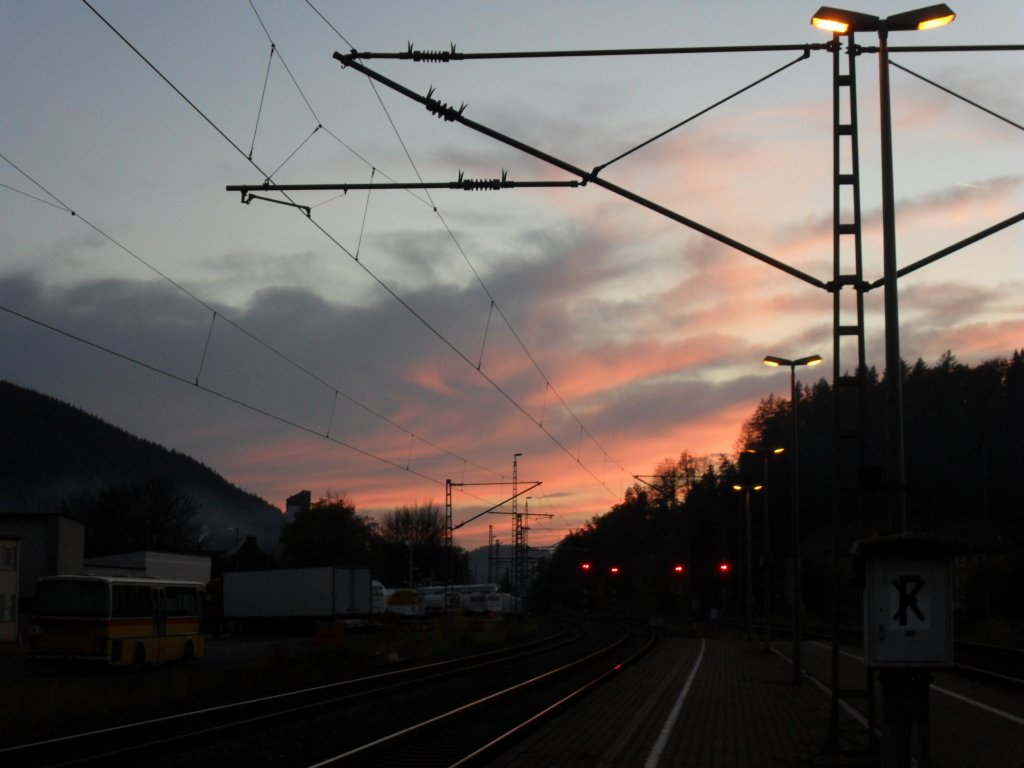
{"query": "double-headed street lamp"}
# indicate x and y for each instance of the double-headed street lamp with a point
(794, 490)
(748, 589)
(766, 453)
(842, 22)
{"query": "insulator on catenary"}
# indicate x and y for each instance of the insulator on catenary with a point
(442, 56)
(446, 111)
(474, 185)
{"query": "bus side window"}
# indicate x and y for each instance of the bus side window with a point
(182, 601)
(131, 601)
(173, 597)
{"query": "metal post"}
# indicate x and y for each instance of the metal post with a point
(767, 560)
(518, 550)
(748, 595)
(795, 523)
(893, 363)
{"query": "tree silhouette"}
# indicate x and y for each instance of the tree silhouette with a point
(151, 514)
(330, 532)
(964, 446)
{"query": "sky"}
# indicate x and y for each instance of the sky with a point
(394, 340)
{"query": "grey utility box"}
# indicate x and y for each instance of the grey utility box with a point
(908, 600)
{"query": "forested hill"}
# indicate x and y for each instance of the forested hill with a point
(51, 452)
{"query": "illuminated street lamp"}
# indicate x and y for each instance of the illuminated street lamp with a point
(748, 594)
(841, 22)
(794, 491)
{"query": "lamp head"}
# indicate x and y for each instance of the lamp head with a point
(843, 22)
(923, 18)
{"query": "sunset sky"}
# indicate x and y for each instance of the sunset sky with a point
(395, 339)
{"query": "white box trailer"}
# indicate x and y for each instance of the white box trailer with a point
(311, 593)
(352, 593)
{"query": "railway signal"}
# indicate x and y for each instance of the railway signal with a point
(679, 569)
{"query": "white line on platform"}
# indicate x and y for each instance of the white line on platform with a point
(850, 710)
(957, 696)
(659, 746)
(986, 707)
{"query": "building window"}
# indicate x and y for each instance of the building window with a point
(7, 609)
(8, 557)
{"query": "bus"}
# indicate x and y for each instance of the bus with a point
(116, 620)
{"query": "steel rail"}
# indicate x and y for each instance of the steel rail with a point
(366, 752)
(190, 725)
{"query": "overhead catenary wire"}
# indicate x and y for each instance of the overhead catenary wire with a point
(263, 94)
(805, 55)
(330, 237)
(216, 393)
(472, 268)
(284, 63)
(366, 211)
(310, 5)
(451, 114)
(215, 314)
(240, 328)
(484, 287)
(805, 48)
(956, 95)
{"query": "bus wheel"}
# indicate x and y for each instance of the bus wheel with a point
(189, 653)
(139, 658)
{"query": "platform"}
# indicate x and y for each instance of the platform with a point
(741, 709)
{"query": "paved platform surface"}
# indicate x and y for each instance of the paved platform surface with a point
(740, 709)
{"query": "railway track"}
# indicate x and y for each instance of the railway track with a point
(471, 733)
(308, 726)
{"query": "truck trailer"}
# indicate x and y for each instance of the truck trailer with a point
(296, 596)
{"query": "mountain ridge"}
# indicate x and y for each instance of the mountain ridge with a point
(51, 451)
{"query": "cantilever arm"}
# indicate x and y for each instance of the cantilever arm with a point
(453, 114)
(951, 249)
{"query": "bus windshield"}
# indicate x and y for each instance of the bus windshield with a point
(73, 598)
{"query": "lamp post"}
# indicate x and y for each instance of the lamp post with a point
(843, 22)
(766, 453)
(748, 594)
(794, 494)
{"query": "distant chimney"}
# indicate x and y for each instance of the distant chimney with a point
(298, 503)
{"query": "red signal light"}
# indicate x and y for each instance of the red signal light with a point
(585, 566)
(724, 567)
(615, 569)
(679, 569)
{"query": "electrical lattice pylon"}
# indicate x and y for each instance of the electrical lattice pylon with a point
(518, 540)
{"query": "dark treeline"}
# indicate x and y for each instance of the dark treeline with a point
(964, 449)
(405, 547)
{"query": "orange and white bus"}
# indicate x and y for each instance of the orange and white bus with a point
(117, 620)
